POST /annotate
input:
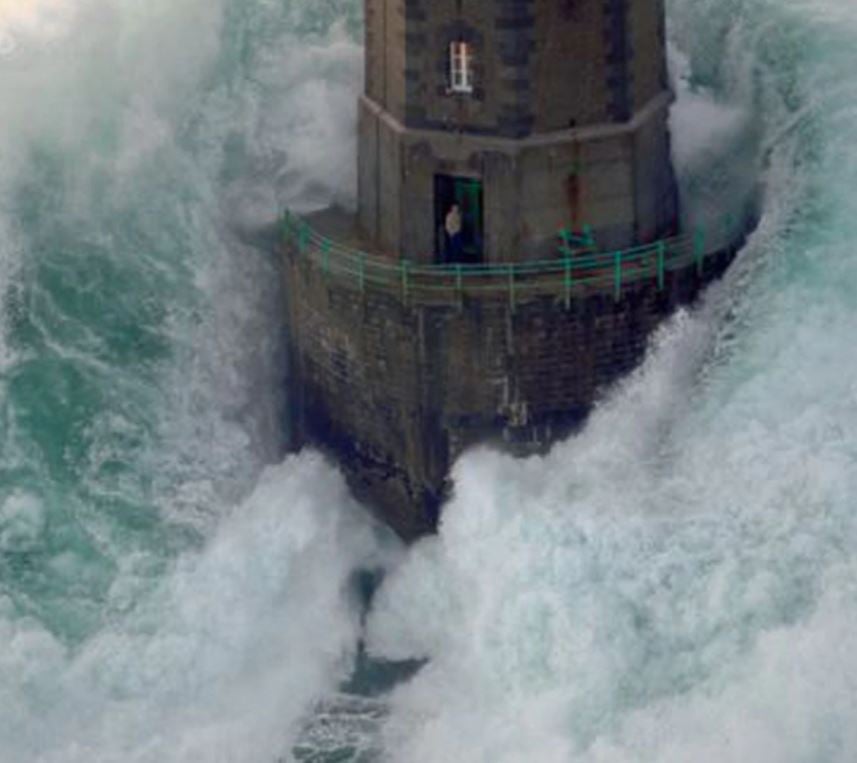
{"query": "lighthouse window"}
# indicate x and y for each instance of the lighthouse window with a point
(461, 67)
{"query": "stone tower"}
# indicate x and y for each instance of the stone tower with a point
(515, 244)
(534, 115)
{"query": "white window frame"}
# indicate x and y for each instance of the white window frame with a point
(460, 67)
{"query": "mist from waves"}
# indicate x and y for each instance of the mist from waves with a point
(678, 582)
(169, 591)
(675, 583)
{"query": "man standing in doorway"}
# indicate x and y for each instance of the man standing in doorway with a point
(452, 226)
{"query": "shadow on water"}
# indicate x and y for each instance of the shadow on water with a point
(372, 677)
(345, 727)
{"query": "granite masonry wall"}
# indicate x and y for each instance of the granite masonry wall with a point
(566, 124)
(396, 390)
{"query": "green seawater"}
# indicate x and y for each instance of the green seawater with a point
(142, 379)
(121, 395)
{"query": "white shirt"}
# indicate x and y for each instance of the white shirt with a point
(453, 222)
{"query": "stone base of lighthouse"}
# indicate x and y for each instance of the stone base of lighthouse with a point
(395, 385)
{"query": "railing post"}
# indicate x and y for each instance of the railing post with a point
(458, 286)
(568, 277)
(589, 235)
(617, 277)
(565, 236)
(662, 252)
(699, 248)
(325, 257)
(403, 264)
(512, 295)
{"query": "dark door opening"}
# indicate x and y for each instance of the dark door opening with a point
(467, 193)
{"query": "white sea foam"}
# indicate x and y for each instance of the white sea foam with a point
(163, 129)
(33, 20)
(149, 609)
(221, 659)
(22, 521)
(675, 583)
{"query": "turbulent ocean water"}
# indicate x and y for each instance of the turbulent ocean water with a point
(677, 583)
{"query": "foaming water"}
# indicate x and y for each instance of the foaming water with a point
(32, 19)
(674, 584)
(677, 582)
(221, 657)
(166, 593)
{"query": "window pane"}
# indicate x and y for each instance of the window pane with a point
(460, 74)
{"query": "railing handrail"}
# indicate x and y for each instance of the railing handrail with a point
(610, 271)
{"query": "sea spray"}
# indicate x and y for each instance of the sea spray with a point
(164, 593)
(675, 583)
(221, 656)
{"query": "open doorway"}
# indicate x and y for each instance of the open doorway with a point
(450, 190)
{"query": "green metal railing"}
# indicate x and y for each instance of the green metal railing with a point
(577, 270)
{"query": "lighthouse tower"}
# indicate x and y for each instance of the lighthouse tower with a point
(532, 115)
(515, 244)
